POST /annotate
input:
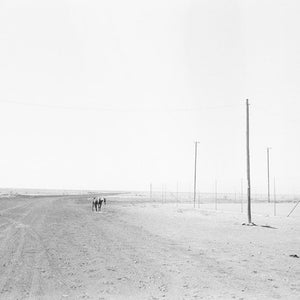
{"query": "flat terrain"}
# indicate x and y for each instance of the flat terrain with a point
(57, 248)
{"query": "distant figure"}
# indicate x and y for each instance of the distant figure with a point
(95, 204)
(100, 201)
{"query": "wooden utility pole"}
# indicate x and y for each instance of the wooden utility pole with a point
(268, 164)
(216, 194)
(274, 197)
(195, 174)
(177, 194)
(242, 196)
(248, 164)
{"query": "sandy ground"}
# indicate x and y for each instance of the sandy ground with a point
(57, 248)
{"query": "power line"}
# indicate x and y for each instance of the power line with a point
(118, 109)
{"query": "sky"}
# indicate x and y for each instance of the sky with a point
(113, 94)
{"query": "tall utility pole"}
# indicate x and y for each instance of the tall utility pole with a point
(177, 193)
(274, 197)
(242, 195)
(195, 173)
(216, 194)
(150, 192)
(248, 163)
(268, 164)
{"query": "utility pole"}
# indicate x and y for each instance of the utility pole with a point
(177, 194)
(248, 164)
(268, 164)
(274, 197)
(150, 192)
(242, 196)
(216, 194)
(195, 173)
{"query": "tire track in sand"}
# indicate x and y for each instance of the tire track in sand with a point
(12, 246)
(11, 221)
(42, 257)
(14, 207)
(15, 237)
(19, 239)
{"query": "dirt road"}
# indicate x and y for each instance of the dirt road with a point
(57, 248)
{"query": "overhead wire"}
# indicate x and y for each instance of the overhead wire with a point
(118, 109)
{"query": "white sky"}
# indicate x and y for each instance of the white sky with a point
(117, 92)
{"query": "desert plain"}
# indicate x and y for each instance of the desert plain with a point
(56, 247)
